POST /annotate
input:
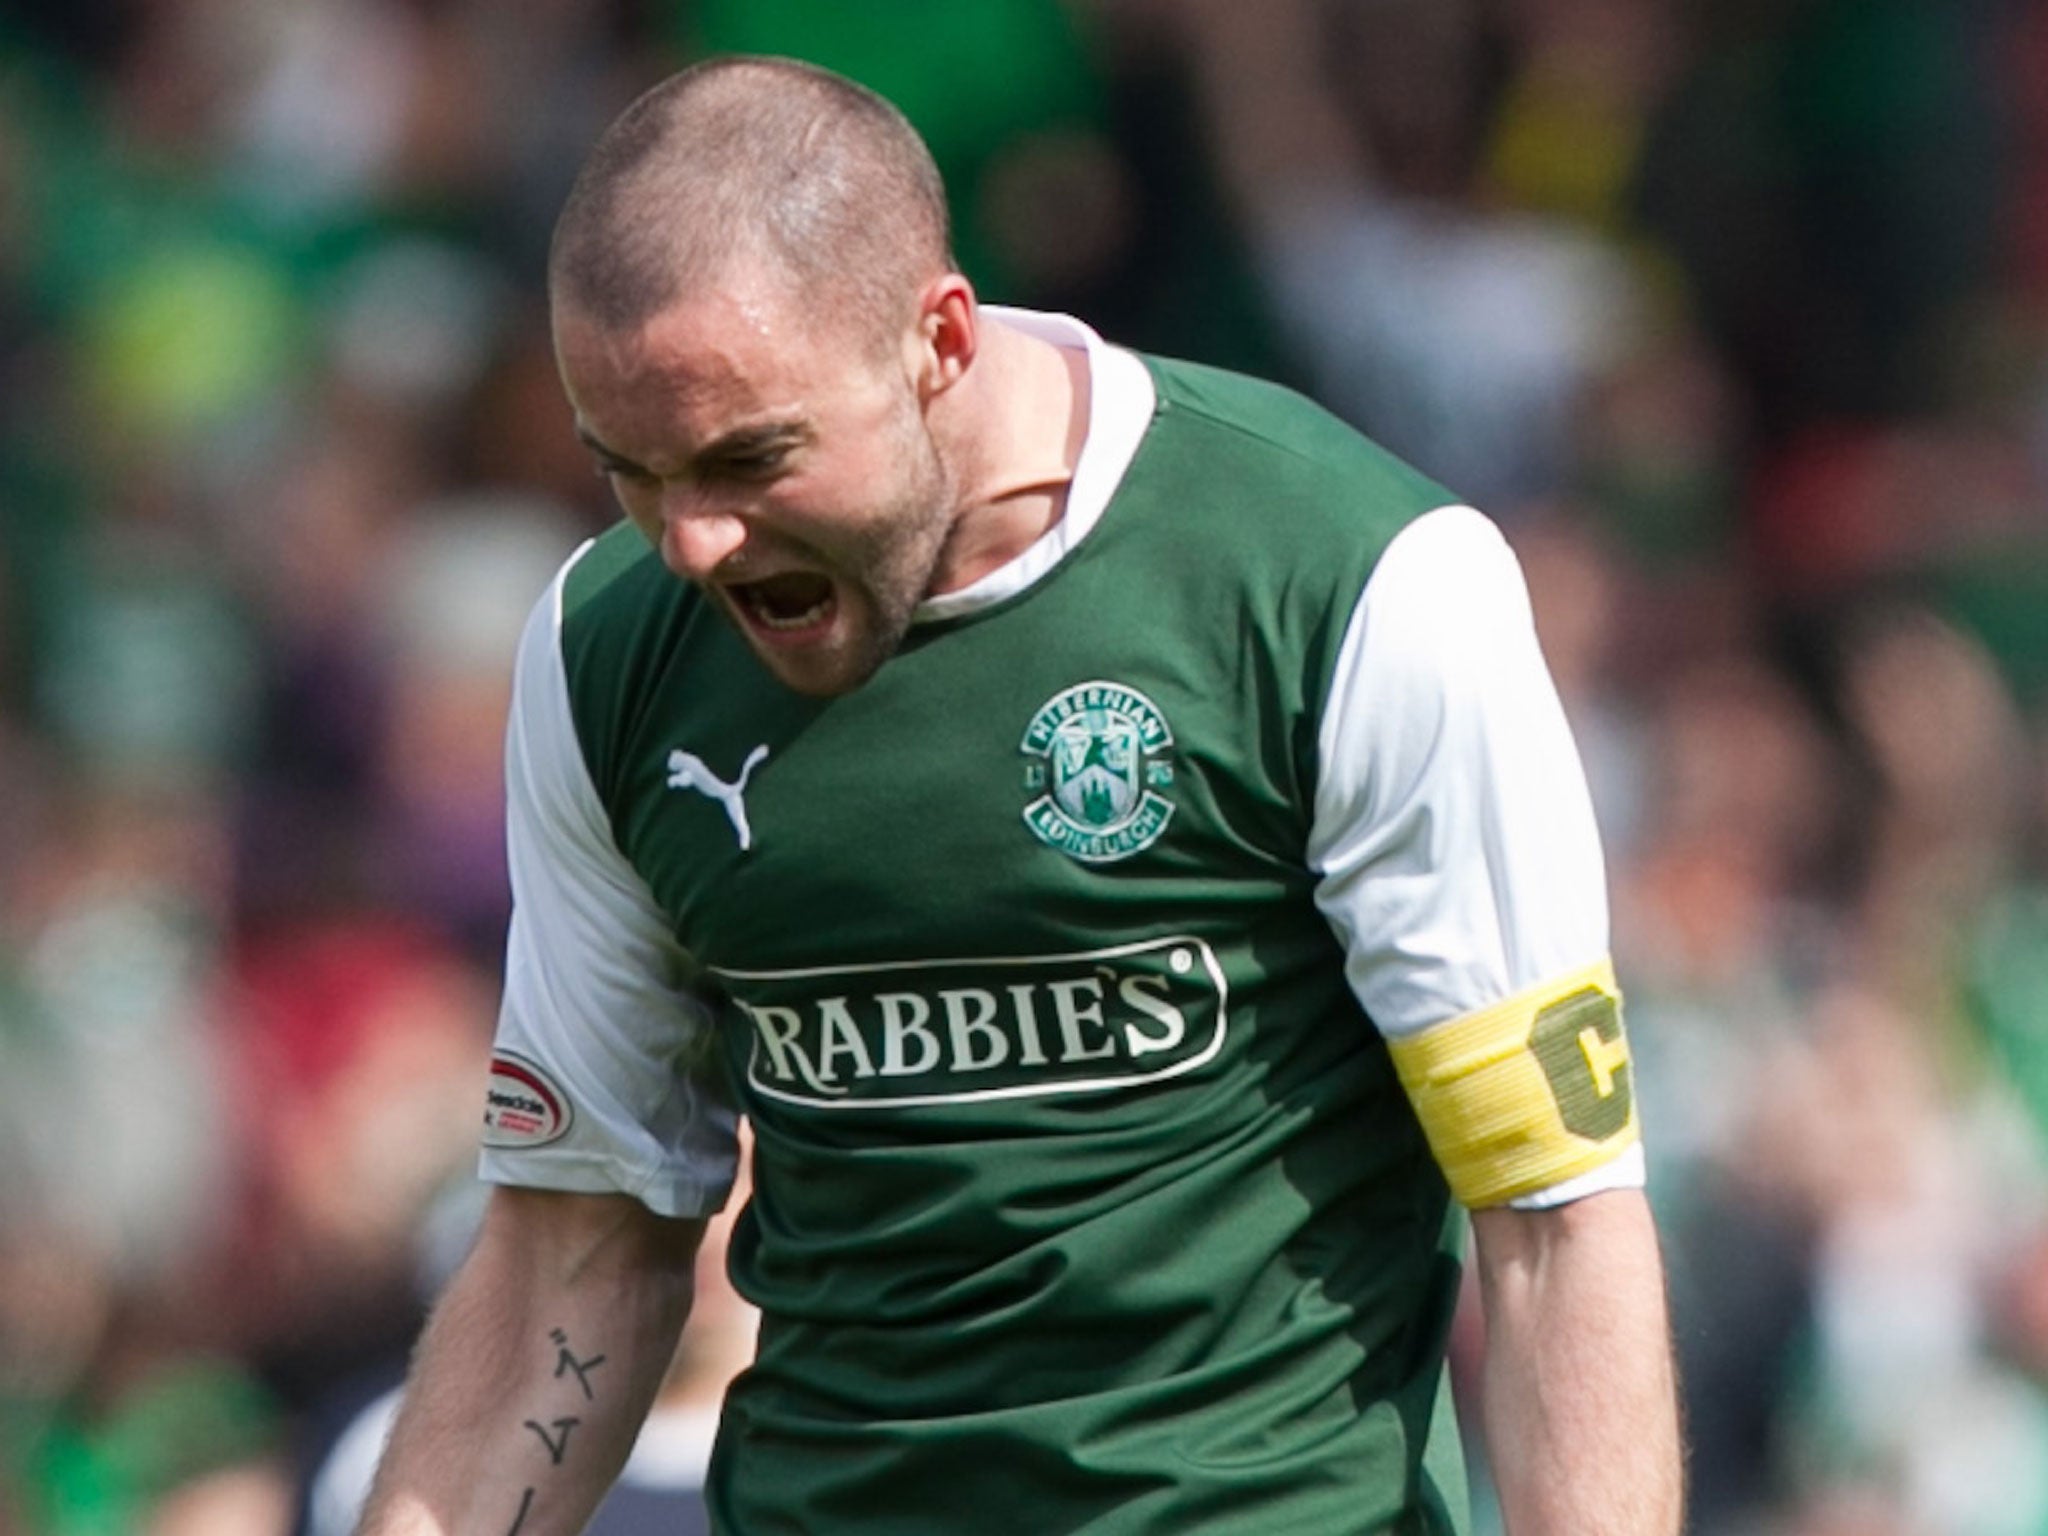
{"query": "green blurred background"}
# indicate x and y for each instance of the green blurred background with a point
(1735, 316)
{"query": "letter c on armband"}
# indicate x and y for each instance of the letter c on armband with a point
(1527, 1093)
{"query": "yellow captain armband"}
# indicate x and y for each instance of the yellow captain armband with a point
(1528, 1093)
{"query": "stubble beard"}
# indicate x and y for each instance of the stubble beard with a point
(900, 568)
(886, 573)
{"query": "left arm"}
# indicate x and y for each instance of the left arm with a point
(1460, 866)
(1579, 1393)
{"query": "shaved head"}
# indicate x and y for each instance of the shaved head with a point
(754, 165)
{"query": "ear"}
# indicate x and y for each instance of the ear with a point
(946, 335)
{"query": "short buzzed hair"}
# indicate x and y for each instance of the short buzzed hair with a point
(753, 159)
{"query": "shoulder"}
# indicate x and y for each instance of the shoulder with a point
(615, 581)
(619, 610)
(1251, 498)
(608, 631)
(1311, 466)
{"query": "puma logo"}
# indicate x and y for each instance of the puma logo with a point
(686, 771)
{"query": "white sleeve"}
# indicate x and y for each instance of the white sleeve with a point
(1452, 832)
(596, 1083)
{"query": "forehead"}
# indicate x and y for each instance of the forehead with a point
(743, 351)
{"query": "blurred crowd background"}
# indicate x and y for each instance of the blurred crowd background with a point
(1734, 314)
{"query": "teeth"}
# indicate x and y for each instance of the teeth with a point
(804, 620)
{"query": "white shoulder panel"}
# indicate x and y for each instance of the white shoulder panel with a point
(594, 1008)
(1452, 830)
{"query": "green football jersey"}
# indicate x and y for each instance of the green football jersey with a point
(1086, 1196)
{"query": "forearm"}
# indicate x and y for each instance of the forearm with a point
(530, 1384)
(1580, 1399)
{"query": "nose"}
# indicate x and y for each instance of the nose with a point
(697, 534)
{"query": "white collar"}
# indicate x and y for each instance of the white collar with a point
(1120, 404)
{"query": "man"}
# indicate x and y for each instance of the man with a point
(1109, 829)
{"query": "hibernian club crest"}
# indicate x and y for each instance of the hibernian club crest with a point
(1097, 757)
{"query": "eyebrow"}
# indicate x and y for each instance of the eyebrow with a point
(590, 440)
(734, 444)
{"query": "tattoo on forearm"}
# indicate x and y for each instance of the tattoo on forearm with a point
(557, 1444)
(565, 1360)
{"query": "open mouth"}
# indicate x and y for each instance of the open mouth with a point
(787, 604)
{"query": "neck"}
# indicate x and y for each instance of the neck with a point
(1018, 419)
